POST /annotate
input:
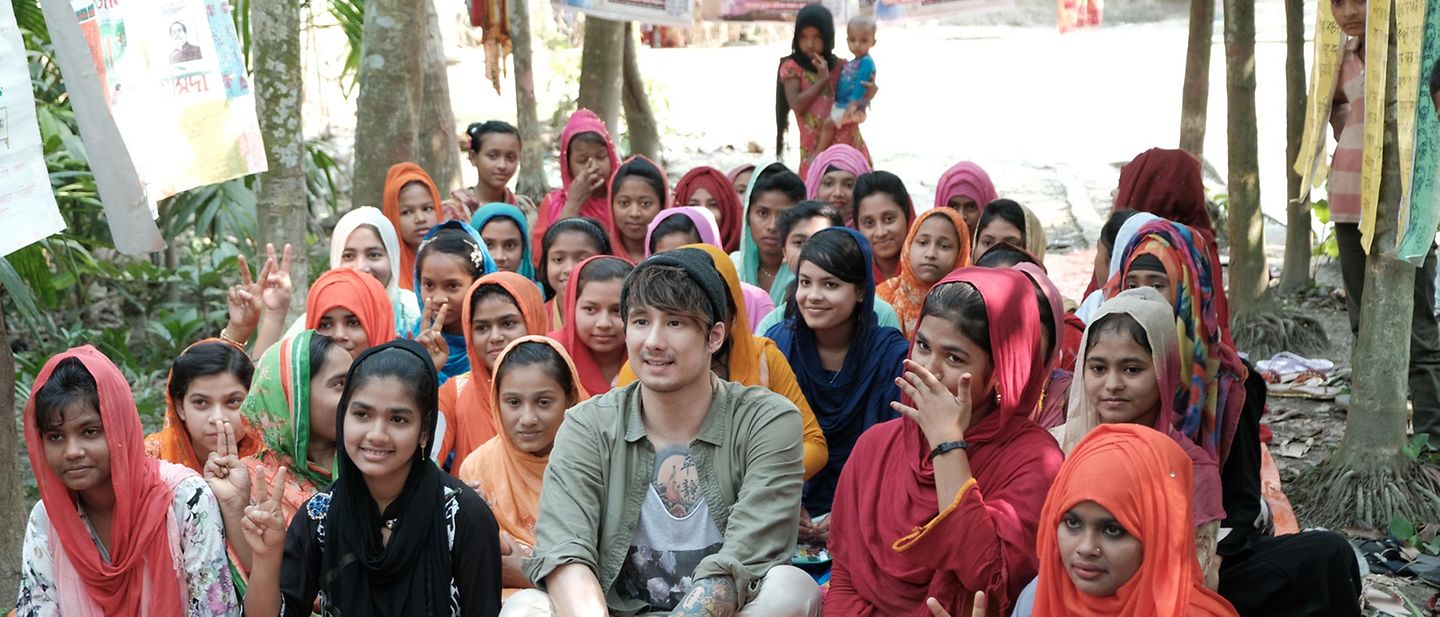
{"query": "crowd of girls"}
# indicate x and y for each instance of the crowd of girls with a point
(967, 445)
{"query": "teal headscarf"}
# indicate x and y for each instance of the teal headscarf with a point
(747, 259)
(489, 211)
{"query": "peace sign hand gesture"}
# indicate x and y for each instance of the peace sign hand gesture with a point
(274, 282)
(226, 474)
(431, 337)
(244, 303)
(264, 524)
(942, 415)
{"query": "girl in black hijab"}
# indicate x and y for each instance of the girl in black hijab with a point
(393, 535)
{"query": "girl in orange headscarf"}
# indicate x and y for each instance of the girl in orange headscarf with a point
(412, 203)
(350, 307)
(755, 361)
(535, 382)
(498, 309)
(938, 244)
(1116, 534)
(208, 381)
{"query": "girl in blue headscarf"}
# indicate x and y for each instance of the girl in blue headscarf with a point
(845, 361)
(507, 237)
(450, 258)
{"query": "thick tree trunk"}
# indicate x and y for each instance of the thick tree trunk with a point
(437, 141)
(12, 496)
(1375, 424)
(600, 74)
(281, 206)
(532, 150)
(1296, 272)
(1249, 276)
(387, 112)
(1195, 99)
(639, 117)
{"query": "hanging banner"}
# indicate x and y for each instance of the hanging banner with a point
(175, 82)
(27, 204)
(1419, 49)
(781, 10)
(897, 10)
(1312, 162)
(658, 12)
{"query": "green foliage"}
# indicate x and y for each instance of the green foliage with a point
(351, 16)
(1329, 246)
(1419, 538)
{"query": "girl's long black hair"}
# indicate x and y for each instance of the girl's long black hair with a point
(818, 17)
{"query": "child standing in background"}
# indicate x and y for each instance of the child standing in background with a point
(805, 85)
(852, 97)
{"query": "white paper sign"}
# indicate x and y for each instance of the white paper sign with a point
(27, 205)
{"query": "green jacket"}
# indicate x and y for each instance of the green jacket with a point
(749, 459)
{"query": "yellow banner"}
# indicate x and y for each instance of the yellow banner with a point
(1311, 162)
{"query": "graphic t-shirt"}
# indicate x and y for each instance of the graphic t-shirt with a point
(664, 552)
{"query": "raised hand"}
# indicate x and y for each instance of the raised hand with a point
(226, 474)
(264, 523)
(431, 337)
(981, 605)
(274, 282)
(942, 415)
(244, 303)
(822, 68)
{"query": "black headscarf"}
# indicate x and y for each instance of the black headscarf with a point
(411, 574)
(811, 16)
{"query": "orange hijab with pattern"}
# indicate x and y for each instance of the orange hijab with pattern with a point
(172, 443)
(510, 478)
(472, 417)
(906, 292)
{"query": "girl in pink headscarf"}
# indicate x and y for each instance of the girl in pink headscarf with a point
(831, 178)
(587, 159)
(967, 188)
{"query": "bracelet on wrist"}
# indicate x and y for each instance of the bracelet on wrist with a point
(948, 446)
(228, 338)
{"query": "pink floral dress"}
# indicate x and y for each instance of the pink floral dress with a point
(809, 122)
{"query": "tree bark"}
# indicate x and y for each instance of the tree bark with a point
(639, 117)
(387, 112)
(1194, 101)
(1249, 275)
(600, 74)
(280, 196)
(12, 497)
(1375, 424)
(1296, 272)
(532, 152)
(437, 142)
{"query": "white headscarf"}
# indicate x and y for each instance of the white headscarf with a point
(1091, 305)
(402, 301)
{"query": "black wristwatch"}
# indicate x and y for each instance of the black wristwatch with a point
(948, 446)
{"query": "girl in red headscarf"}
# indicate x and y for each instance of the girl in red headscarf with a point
(587, 158)
(351, 308)
(594, 331)
(115, 532)
(412, 203)
(638, 192)
(944, 501)
(706, 187)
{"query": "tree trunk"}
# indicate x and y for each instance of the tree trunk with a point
(600, 74)
(387, 112)
(639, 117)
(1375, 424)
(282, 210)
(1296, 272)
(12, 497)
(437, 142)
(1249, 275)
(1196, 96)
(532, 150)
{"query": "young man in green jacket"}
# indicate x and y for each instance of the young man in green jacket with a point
(678, 494)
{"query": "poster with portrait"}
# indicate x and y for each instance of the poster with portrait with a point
(27, 204)
(175, 82)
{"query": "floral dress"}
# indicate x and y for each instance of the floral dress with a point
(207, 583)
(819, 111)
